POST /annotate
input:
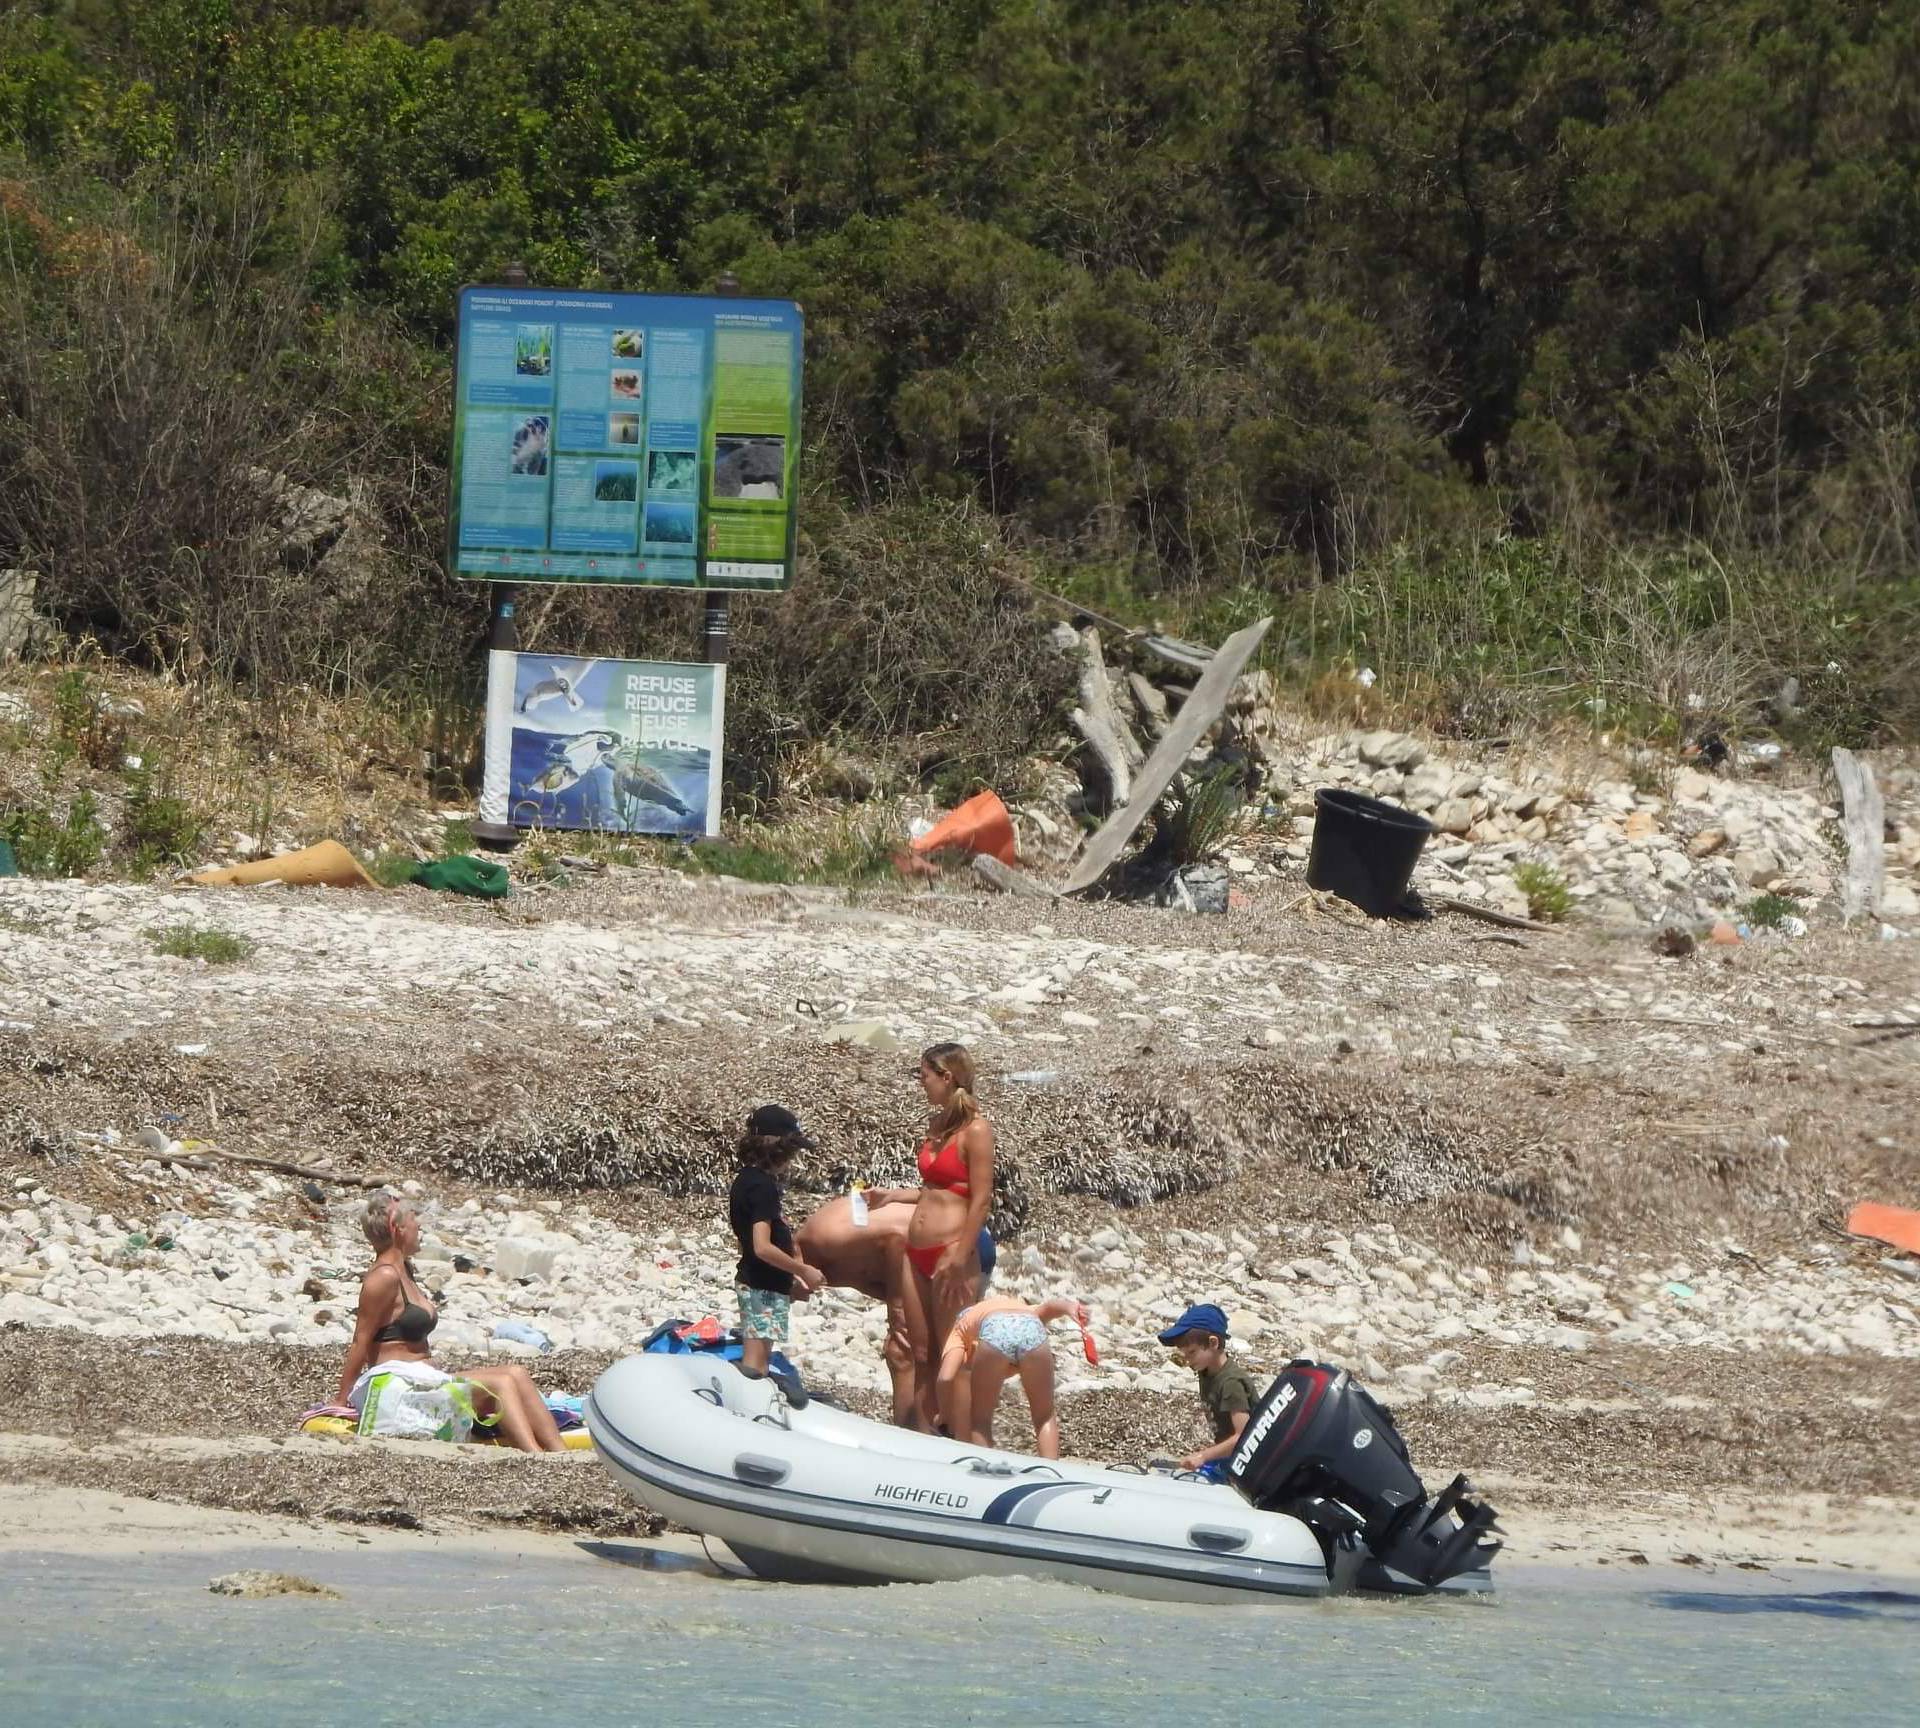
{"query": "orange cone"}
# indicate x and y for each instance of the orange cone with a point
(328, 865)
(980, 826)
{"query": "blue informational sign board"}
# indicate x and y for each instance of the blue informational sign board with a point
(646, 439)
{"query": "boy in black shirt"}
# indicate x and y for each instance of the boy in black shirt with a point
(770, 1273)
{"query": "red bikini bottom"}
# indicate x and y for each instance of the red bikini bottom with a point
(924, 1260)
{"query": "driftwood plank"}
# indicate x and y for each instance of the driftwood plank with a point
(1100, 722)
(1864, 817)
(1487, 914)
(1207, 703)
(1011, 881)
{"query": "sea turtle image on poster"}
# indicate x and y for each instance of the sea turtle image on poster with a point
(749, 467)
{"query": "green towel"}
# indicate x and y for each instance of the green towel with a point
(461, 874)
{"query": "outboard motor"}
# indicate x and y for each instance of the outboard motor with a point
(1320, 1449)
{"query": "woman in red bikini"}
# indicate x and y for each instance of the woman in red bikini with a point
(951, 1204)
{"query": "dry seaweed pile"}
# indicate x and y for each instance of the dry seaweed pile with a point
(1355, 1139)
(588, 1119)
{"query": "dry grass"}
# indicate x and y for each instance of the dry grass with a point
(280, 773)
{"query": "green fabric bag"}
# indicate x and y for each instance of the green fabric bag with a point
(462, 874)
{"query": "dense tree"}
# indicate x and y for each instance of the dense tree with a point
(1195, 291)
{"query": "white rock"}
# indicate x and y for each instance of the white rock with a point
(518, 1257)
(1898, 900)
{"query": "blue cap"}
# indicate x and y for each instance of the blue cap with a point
(1201, 1317)
(989, 1253)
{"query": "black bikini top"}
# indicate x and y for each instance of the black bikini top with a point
(411, 1327)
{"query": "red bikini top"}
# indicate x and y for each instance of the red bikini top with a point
(946, 1168)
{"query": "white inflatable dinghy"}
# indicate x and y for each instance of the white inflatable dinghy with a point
(804, 1491)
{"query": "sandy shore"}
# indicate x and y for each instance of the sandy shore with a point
(1638, 1536)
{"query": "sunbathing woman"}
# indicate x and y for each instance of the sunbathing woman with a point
(951, 1204)
(395, 1320)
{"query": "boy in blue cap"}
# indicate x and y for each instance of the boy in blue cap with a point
(1226, 1389)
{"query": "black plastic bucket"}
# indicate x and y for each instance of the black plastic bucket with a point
(1364, 850)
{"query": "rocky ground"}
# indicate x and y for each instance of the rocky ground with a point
(1572, 1206)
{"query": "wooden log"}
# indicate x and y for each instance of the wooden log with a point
(194, 1151)
(1207, 703)
(1011, 881)
(1864, 817)
(1152, 703)
(1100, 722)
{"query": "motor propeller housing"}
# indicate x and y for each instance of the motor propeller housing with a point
(1319, 1448)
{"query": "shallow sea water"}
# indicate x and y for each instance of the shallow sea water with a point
(619, 1632)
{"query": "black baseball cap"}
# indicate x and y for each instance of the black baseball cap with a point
(777, 1122)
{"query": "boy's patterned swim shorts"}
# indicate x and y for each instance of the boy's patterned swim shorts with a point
(763, 1314)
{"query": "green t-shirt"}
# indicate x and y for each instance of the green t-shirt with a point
(1227, 1391)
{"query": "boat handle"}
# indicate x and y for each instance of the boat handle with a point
(1215, 1540)
(768, 1472)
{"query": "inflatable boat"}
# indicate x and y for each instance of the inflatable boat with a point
(804, 1491)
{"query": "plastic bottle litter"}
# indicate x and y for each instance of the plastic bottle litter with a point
(858, 1199)
(1034, 1077)
(519, 1332)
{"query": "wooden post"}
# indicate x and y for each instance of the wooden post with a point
(716, 603)
(501, 631)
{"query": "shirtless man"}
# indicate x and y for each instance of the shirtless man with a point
(871, 1258)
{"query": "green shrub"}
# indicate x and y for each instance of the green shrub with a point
(393, 869)
(1548, 897)
(216, 947)
(73, 709)
(850, 854)
(1770, 911)
(750, 863)
(46, 845)
(1194, 822)
(162, 831)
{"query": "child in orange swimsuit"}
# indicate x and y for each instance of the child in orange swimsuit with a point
(991, 1341)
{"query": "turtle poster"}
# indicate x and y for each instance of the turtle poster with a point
(617, 746)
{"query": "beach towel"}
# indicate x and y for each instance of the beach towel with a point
(344, 1428)
(704, 1337)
